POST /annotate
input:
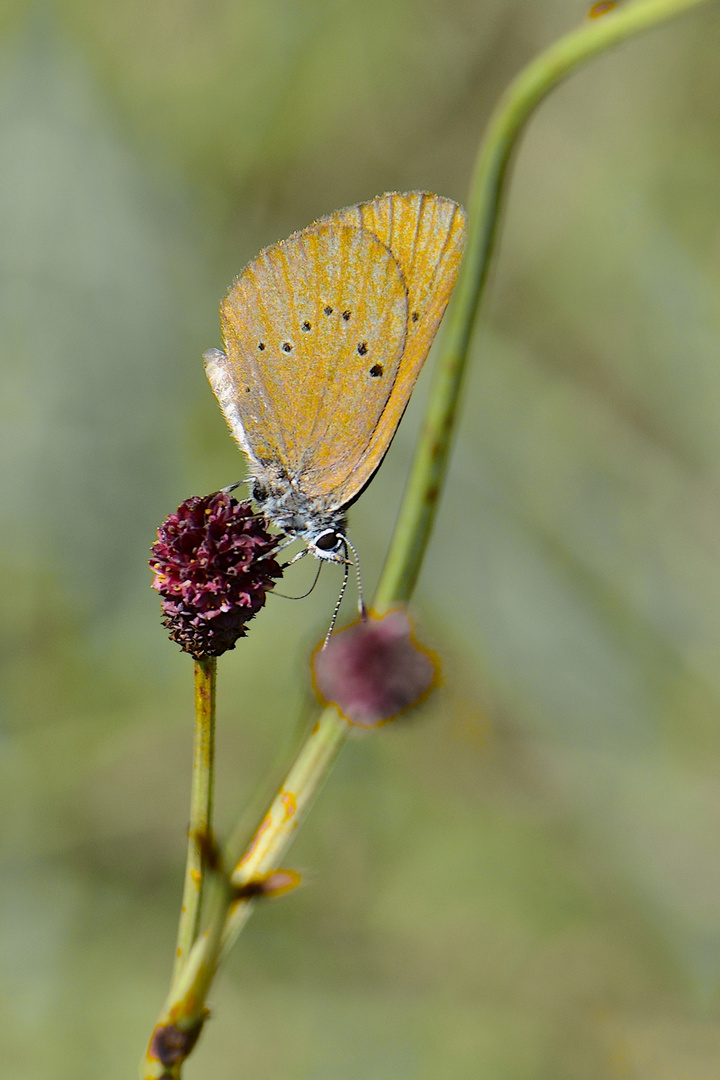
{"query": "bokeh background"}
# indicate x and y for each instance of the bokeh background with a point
(522, 882)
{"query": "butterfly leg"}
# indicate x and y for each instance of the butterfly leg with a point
(300, 554)
(231, 487)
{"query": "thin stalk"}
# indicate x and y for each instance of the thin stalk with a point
(184, 1010)
(201, 802)
(429, 467)
(289, 807)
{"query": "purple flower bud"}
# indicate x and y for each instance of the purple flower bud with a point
(213, 567)
(373, 670)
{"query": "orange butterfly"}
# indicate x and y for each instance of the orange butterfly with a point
(325, 335)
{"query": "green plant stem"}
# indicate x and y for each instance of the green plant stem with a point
(185, 1005)
(184, 1010)
(525, 93)
(201, 802)
(287, 810)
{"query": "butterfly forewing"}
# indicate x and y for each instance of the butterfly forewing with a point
(426, 234)
(314, 331)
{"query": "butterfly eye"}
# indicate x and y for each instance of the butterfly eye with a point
(328, 541)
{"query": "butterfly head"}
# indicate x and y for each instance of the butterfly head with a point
(302, 517)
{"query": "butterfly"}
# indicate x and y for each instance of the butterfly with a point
(325, 334)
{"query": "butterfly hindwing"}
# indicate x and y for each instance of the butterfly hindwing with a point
(426, 234)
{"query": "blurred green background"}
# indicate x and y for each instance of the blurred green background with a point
(522, 882)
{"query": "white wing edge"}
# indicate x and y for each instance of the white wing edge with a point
(225, 390)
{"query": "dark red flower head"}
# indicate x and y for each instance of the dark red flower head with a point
(213, 568)
(374, 669)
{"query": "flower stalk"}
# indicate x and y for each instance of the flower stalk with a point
(507, 123)
(201, 803)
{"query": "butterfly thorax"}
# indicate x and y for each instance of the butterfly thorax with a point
(307, 517)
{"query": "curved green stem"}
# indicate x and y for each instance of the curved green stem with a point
(287, 810)
(184, 1011)
(201, 801)
(525, 93)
